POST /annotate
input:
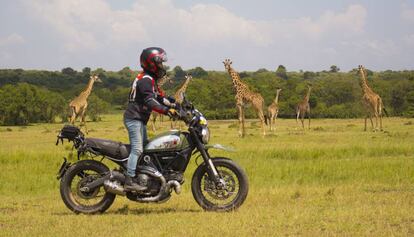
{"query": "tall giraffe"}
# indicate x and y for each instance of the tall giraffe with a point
(245, 96)
(303, 107)
(372, 102)
(79, 104)
(273, 110)
(155, 115)
(179, 94)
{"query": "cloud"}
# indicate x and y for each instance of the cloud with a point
(407, 14)
(12, 39)
(409, 40)
(93, 24)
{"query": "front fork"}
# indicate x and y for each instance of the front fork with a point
(211, 169)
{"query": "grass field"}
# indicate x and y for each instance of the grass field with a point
(331, 180)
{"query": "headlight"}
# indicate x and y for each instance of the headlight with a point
(205, 135)
(203, 121)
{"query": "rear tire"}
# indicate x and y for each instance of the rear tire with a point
(209, 197)
(78, 201)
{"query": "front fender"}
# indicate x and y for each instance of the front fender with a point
(220, 147)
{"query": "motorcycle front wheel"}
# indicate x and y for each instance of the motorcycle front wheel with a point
(78, 200)
(227, 197)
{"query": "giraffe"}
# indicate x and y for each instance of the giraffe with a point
(155, 115)
(79, 104)
(273, 110)
(372, 102)
(303, 107)
(179, 94)
(245, 96)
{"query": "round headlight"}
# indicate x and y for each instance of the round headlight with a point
(205, 135)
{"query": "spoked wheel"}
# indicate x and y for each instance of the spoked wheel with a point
(227, 195)
(74, 194)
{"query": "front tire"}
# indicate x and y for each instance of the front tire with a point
(211, 198)
(81, 173)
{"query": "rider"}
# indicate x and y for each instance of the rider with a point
(144, 97)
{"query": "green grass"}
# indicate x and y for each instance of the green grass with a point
(331, 180)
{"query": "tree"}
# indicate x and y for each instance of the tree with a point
(261, 70)
(86, 71)
(308, 75)
(198, 72)
(281, 72)
(97, 107)
(125, 72)
(334, 69)
(68, 71)
(178, 72)
(23, 104)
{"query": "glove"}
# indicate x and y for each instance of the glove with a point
(172, 113)
(168, 103)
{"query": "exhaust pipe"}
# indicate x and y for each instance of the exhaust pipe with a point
(175, 185)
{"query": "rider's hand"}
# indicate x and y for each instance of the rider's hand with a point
(172, 112)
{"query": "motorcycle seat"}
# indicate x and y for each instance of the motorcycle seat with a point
(110, 148)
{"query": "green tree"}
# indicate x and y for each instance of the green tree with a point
(281, 72)
(68, 71)
(198, 72)
(334, 69)
(178, 72)
(97, 107)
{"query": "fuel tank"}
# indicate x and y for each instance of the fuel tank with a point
(171, 140)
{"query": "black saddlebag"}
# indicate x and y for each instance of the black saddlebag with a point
(109, 148)
(71, 133)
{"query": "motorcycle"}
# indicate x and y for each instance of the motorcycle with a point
(89, 186)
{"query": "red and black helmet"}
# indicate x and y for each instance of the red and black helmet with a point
(151, 61)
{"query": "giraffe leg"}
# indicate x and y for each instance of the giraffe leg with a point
(366, 117)
(274, 121)
(309, 115)
(262, 120)
(376, 121)
(380, 119)
(372, 123)
(380, 114)
(241, 120)
(302, 119)
(153, 120)
(297, 116)
(73, 117)
(84, 117)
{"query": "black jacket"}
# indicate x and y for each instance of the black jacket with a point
(144, 97)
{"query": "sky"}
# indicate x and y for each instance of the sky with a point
(299, 34)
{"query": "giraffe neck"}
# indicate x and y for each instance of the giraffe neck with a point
(236, 79)
(88, 88)
(185, 85)
(181, 90)
(276, 100)
(306, 99)
(364, 83)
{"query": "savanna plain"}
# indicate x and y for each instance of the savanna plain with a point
(330, 180)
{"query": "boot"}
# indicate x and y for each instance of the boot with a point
(130, 185)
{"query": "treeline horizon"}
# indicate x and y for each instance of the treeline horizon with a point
(335, 94)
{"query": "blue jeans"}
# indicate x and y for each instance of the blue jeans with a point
(137, 132)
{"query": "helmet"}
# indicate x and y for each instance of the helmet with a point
(151, 61)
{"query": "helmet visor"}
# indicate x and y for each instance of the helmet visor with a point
(161, 58)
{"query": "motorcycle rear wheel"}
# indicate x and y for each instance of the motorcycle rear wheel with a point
(81, 173)
(212, 198)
